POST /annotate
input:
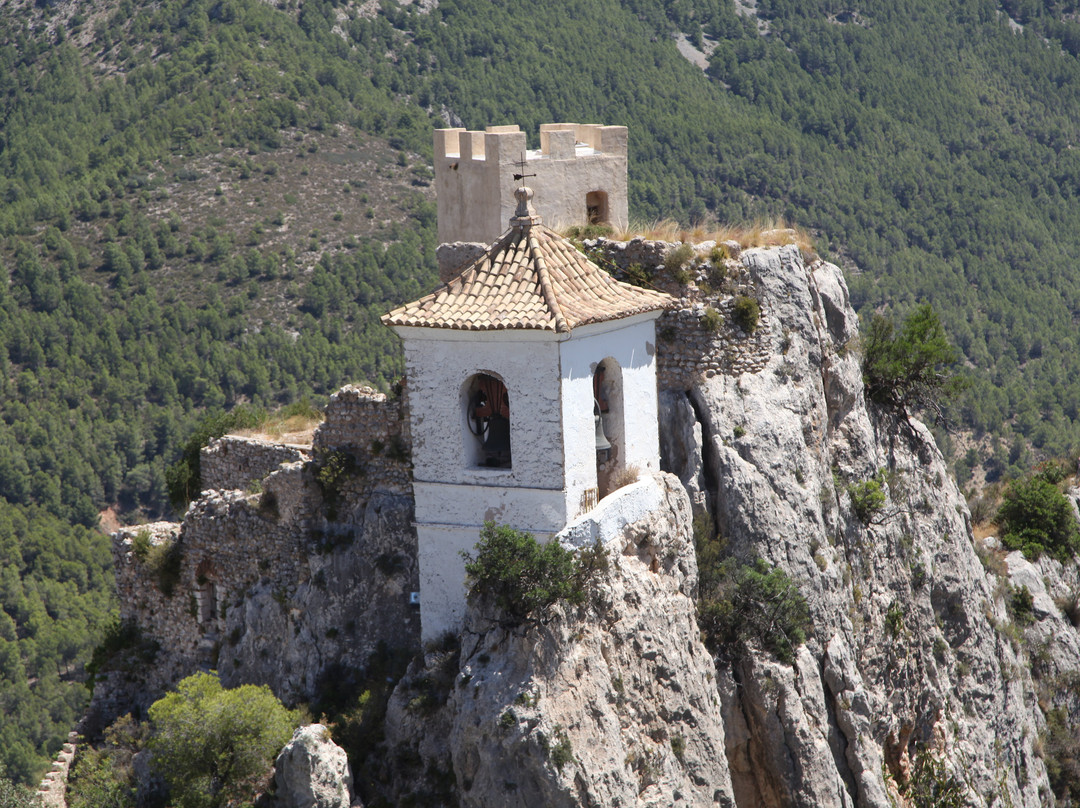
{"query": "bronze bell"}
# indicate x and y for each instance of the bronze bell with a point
(603, 445)
(496, 442)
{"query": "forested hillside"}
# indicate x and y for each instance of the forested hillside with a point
(208, 202)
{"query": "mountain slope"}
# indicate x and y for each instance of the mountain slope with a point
(205, 204)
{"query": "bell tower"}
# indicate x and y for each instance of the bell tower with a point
(517, 368)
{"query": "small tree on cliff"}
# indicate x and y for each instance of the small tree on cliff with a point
(215, 747)
(524, 578)
(909, 368)
(1036, 517)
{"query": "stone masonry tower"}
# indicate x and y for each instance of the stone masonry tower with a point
(580, 177)
(513, 367)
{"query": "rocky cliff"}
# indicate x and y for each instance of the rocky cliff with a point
(614, 703)
(293, 580)
(917, 685)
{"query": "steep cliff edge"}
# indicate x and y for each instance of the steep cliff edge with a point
(915, 684)
(292, 579)
(909, 656)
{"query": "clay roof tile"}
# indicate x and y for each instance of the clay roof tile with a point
(530, 278)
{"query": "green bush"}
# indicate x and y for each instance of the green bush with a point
(164, 561)
(868, 497)
(333, 469)
(561, 751)
(1062, 744)
(1036, 517)
(141, 545)
(588, 231)
(908, 369)
(711, 320)
(215, 747)
(1021, 606)
(745, 313)
(931, 784)
(894, 620)
(524, 578)
(679, 257)
(104, 776)
(755, 601)
(16, 796)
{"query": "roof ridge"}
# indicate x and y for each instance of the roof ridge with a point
(545, 284)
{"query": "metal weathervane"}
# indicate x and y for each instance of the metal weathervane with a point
(521, 177)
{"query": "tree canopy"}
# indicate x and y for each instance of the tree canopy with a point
(910, 367)
(215, 746)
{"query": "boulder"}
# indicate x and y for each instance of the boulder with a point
(312, 772)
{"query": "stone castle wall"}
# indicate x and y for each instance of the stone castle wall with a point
(689, 347)
(373, 427)
(578, 172)
(295, 579)
(233, 462)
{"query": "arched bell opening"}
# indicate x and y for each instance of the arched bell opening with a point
(596, 207)
(608, 422)
(486, 407)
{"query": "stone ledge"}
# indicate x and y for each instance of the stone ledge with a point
(605, 523)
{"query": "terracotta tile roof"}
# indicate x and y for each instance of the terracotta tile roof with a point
(531, 278)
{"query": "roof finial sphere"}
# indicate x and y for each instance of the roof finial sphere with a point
(525, 215)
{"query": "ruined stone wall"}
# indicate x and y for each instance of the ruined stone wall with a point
(692, 343)
(299, 580)
(53, 786)
(373, 428)
(233, 462)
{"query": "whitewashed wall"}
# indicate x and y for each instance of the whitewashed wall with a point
(438, 369)
(632, 344)
(552, 437)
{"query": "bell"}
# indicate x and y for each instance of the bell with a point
(603, 445)
(496, 444)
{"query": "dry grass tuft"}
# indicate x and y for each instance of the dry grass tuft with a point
(295, 423)
(624, 477)
(762, 233)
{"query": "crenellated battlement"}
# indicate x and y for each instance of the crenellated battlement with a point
(579, 177)
(558, 141)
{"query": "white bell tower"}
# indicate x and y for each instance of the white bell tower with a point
(511, 365)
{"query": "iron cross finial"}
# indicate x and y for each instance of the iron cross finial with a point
(521, 165)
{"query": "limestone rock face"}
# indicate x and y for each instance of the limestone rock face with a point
(269, 590)
(611, 704)
(616, 706)
(330, 620)
(909, 656)
(312, 772)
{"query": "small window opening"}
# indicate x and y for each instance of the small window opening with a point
(207, 602)
(206, 594)
(488, 417)
(596, 207)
